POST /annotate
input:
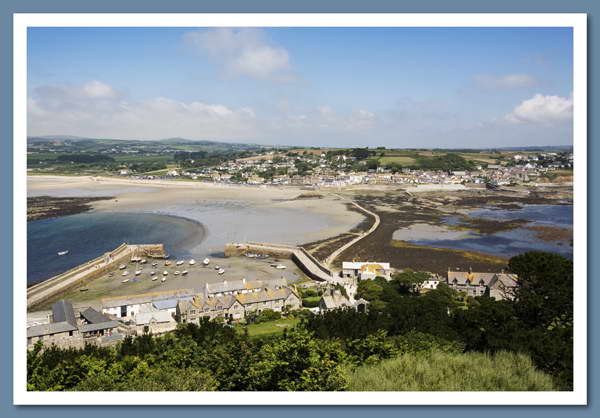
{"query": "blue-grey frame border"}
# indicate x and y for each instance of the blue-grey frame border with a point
(8, 7)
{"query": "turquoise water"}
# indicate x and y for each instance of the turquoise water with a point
(89, 235)
(516, 241)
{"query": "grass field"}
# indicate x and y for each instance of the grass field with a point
(270, 328)
(438, 371)
(402, 160)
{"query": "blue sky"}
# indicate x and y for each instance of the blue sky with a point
(400, 87)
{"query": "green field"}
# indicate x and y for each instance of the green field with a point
(437, 371)
(270, 328)
(402, 160)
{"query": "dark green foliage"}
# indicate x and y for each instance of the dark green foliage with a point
(85, 158)
(448, 162)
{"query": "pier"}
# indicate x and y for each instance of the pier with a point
(302, 258)
(95, 268)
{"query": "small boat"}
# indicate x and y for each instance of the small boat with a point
(125, 281)
(143, 261)
(152, 273)
(184, 272)
(125, 273)
(280, 266)
(176, 273)
(180, 262)
(164, 279)
(65, 252)
(155, 264)
(217, 267)
(167, 263)
(138, 272)
(221, 271)
(192, 262)
(165, 273)
(206, 261)
(122, 267)
(154, 279)
(83, 289)
(111, 274)
(135, 259)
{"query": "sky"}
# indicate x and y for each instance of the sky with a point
(393, 87)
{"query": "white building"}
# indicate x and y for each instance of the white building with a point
(366, 271)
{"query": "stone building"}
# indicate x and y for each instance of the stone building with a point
(366, 271)
(499, 286)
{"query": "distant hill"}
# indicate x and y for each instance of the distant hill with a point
(119, 141)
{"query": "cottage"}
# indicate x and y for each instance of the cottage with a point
(62, 326)
(94, 324)
(209, 307)
(499, 286)
(366, 271)
(336, 300)
(157, 322)
(235, 287)
(276, 300)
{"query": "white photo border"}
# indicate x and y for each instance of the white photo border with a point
(21, 21)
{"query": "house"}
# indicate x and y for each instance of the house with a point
(276, 300)
(336, 300)
(429, 284)
(499, 286)
(235, 287)
(62, 326)
(94, 324)
(129, 306)
(156, 322)
(366, 271)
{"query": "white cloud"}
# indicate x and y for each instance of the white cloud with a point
(97, 90)
(542, 109)
(245, 51)
(505, 81)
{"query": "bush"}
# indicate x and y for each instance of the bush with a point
(311, 302)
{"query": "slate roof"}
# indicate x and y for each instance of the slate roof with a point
(335, 301)
(239, 285)
(169, 303)
(146, 318)
(92, 316)
(62, 311)
(486, 279)
(49, 329)
(264, 296)
(113, 302)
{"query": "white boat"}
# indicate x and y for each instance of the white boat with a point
(122, 267)
(165, 273)
(125, 273)
(176, 273)
(192, 262)
(65, 252)
(144, 261)
(135, 259)
(217, 267)
(152, 273)
(164, 279)
(206, 261)
(221, 271)
(138, 272)
(125, 281)
(184, 272)
(280, 266)
(155, 278)
(180, 262)
(155, 264)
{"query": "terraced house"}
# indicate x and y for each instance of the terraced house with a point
(236, 307)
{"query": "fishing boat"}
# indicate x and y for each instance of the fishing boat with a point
(176, 273)
(125, 281)
(125, 273)
(138, 272)
(192, 262)
(165, 273)
(221, 271)
(206, 261)
(122, 267)
(65, 252)
(180, 262)
(280, 266)
(154, 279)
(184, 272)
(164, 279)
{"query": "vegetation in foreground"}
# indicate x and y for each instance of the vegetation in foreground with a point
(439, 371)
(432, 339)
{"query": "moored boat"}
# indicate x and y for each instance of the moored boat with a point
(192, 262)
(221, 271)
(176, 273)
(65, 252)
(280, 266)
(179, 262)
(206, 261)
(125, 281)
(184, 272)
(138, 272)
(122, 267)
(165, 273)
(164, 279)
(125, 273)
